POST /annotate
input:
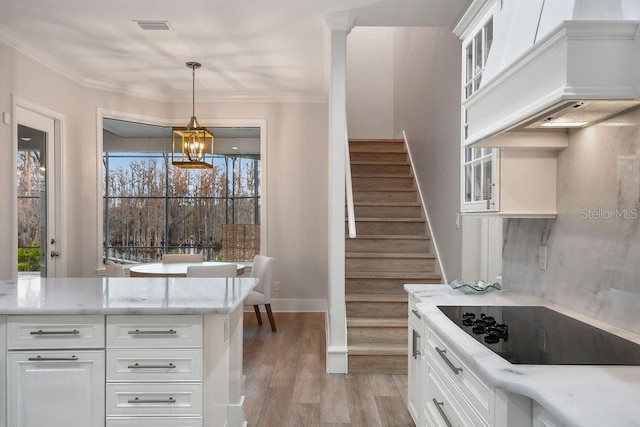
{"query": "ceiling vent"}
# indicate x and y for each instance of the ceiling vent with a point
(153, 25)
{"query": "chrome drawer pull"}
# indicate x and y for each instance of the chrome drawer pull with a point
(415, 350)
(139, 332)
(139, 366)
(50, 359)
(442, 414)
(136, 400)
(446, 359)
(414, 311)
(41, 332)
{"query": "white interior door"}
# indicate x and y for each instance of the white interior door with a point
(36, 196)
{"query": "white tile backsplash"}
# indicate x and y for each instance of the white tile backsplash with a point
(593, 259)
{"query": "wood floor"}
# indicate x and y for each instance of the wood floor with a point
(286, 384)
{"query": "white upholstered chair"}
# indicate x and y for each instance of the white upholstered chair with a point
(261, 295)
(222, 270)
(166, 258)
(112, 269)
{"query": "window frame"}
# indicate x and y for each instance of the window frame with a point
(104, 113)
(231, 166)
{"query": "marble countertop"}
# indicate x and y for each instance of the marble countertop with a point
(123, 295)
(576, 395)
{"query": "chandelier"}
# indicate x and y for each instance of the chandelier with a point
(192, 146)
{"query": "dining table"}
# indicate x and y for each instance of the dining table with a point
(173, 269)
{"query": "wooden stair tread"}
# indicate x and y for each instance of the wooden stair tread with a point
(380, 162)
(381, 175)
(400, 140)
(372, 219)
(388, 203)
(367, 150)
(399, 297)
(395, 190)
(392, 237)
(411, 275)
(375, 322)
(393, 255)
(377, 349)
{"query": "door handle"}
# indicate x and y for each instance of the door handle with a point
(55, 254)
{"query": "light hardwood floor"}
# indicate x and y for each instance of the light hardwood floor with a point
(286, 384)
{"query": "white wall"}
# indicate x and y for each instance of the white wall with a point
(427, 107)
(370, 83)
(297, 162)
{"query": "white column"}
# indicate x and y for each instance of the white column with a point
(339, 26)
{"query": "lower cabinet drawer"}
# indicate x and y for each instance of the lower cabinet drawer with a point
(154, 331)
(55, 332)
(479, 394)
(445, 406)
(154, 422)
(179, 365)
(178, 400)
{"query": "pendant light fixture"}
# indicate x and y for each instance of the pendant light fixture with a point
(192, 146)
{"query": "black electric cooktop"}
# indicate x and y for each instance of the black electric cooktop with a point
(534, 335)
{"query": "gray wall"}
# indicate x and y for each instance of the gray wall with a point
(370, 83)
(427, 108)
(593, 245)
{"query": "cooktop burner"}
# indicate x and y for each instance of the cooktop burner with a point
(534, 335)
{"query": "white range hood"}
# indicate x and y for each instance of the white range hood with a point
(581, 72)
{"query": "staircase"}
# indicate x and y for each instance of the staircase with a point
(392, 248)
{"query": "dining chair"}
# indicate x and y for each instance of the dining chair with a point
(167, 258)
(222, 270)
(112, 269)
(261, 294)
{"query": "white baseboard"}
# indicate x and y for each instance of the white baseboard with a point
(337, 360)
(296, 305)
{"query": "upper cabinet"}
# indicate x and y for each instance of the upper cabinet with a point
(552, 65)
(512, 182)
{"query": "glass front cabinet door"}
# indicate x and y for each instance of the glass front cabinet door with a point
(478, 164)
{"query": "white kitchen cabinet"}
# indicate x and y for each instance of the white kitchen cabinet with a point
(154, 422)
(444, 406)
(154, 369)
(482, 248)
(469, 394)
(55, 371)
(512, 182)
(414, 367)
(3, 370)
(542, 417)
(38, 332)
(61, 388)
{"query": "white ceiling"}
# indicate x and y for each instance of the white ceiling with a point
(249, 49)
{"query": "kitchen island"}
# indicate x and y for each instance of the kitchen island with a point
(482, 388)
(122, 351)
